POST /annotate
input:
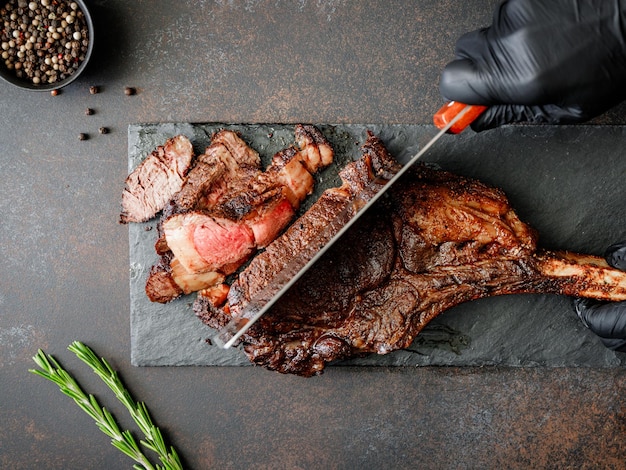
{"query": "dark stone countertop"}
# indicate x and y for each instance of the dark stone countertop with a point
(65, 259)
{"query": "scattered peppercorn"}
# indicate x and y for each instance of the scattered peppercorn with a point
(83, 136)
(128, 91)
(93, 90)
(88, 112)
(54, 92)
(103, 130)
(37, 39)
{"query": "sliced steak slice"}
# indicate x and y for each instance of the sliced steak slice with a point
(201, 178)
(160, 286)
(288, 170)
(169, 280)
(203, 243)
(151, 185)
(216, 176)
(315, 149)
(227, 160)
(242, 154)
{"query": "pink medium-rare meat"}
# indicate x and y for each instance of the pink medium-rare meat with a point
(150, 186)
(203, 243)
(228, 207)
(436, 241)
(216, 177)
(269, 219)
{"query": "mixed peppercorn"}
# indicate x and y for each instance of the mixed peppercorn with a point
(43, 41)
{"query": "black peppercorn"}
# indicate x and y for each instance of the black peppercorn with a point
(103, 130)
(88, 112)
(93, 90)
(83, 136)
(128, 91)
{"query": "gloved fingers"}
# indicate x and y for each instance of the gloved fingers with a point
(607, 320)
(461, 81)
(615, 255)
(614, 344)
(496, 116)
(585, 308)
(499, 115)
(471, 45)
(559, 62)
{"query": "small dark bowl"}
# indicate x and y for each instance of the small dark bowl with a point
(9, 75)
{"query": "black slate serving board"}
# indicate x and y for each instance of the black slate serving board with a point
(568, 182)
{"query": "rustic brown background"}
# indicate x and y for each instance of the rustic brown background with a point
(64, 259)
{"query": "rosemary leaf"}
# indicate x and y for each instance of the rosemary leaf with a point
(148, 445)
(124, 447)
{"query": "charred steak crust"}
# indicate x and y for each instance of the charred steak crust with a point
(436, 241)
(160, 284)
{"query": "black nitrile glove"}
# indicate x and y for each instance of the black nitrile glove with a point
(542, 61)
(607, 319)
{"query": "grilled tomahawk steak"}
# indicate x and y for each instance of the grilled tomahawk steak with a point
(436, 241)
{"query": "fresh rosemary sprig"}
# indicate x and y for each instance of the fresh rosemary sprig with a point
(124, 441)
(138, 411)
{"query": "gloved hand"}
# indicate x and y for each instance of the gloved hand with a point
(556, 61)
(607, 319)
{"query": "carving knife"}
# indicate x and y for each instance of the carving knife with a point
(453, 118)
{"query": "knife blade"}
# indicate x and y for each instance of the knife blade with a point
(453, 117)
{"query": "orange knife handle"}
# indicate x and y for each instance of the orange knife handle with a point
(449, 110)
